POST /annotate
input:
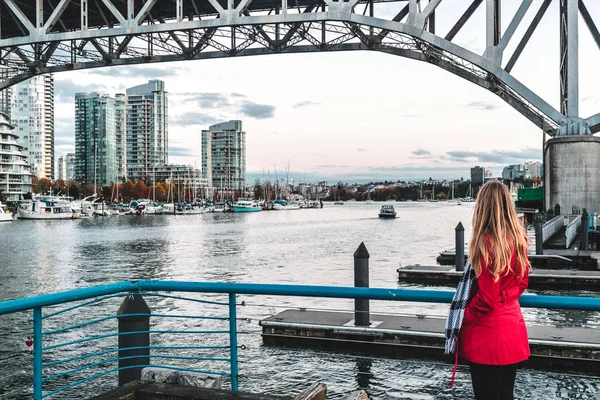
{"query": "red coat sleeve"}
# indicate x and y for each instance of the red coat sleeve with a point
(488, 290)
(524, 282)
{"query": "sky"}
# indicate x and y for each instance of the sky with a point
(358, 115)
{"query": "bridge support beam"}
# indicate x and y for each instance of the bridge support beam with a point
(572, 175)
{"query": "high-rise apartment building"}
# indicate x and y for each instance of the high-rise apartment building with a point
(32, 113)
(70, 164)
(224, 155)
(121, 135)
(95, 139)
(61, 168)
(15, 178)
(477, 175)
(147, 136)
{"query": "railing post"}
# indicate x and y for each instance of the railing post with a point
(459, 254)
(585, 227)
(134, 338)
(37, 354)
(539, 234)
(361, 279)
(233, 342)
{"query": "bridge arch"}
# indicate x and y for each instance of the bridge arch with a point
(129, 33)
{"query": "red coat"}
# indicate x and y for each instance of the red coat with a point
(493, 330)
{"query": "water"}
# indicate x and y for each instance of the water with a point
(305, 247)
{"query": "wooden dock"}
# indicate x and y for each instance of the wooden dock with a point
(561, 279)
(573, 349)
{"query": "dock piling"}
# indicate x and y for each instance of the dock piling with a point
(539, 234)
(585, 227)
(134, 348)
(556, 210)
(460, 247)
(361, 279)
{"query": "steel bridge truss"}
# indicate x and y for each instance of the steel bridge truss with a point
(47, 36)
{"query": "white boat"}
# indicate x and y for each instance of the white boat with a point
(5, 215)
(338, 203)
(46, 207)
(246, 206)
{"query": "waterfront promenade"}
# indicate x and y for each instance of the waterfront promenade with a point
(302, 247)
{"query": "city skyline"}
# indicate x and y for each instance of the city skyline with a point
(409, 119)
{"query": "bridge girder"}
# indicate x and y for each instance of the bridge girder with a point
(72, 35)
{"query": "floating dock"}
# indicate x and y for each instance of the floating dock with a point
(573, 349)
(560, 279)
(551, 259)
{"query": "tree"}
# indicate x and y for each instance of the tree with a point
(73, 189)
(140, 190)
(59, 185)
(43, 186)
(258, 190)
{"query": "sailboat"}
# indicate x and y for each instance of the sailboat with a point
(433, 198)
(469, 198)
(368, 200)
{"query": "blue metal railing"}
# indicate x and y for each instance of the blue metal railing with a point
(48, 357)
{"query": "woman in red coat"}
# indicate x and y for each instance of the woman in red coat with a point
(493, 337)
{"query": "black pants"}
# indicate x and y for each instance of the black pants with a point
(493, 382)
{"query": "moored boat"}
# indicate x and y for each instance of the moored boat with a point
(5, 215)
(387, 211)
(46, 207)
(246, 206)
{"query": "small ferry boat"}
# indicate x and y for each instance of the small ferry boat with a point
(5, 215)
(246, 206)
(338, 203)
(46, 207)
(387, 211)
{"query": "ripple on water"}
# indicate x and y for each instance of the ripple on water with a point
(303, 247)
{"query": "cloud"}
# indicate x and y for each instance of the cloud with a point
(145, 72)
(180, 151)
(65, 90)
(305, 104)
(360, 150)
(258, 111)
(192, 118)
(207, 100)
(421, 152)
(482, 106)
(495, 156)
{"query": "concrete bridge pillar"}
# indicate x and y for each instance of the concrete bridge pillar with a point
(572, 173)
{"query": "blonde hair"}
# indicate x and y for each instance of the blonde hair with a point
(497, 233)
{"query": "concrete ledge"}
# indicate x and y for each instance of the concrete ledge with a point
(164, 391)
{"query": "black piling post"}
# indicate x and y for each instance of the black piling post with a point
(585, 227)
(361, 279)
(550, 214)
(539, 234)
(133, 316)
(459, 256)
(556, 210)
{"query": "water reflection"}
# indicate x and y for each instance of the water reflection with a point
(363, 373)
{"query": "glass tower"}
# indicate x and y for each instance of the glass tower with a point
(224, 155)
(95, 139)
(147, 131)
(32, 113)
